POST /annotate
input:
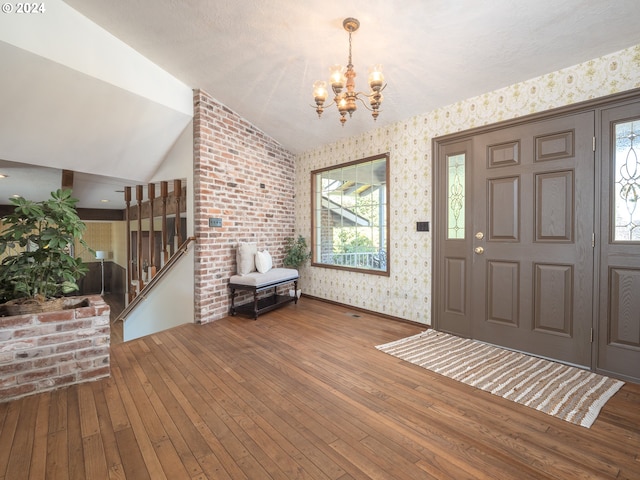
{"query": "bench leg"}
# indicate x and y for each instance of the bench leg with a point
(255, 305)
(233, 302)
(295, 292)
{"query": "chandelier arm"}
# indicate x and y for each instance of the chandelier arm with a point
(324, 105)
(359, 97)
(369, 95)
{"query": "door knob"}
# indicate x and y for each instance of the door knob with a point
(479, 235)
(479, 250)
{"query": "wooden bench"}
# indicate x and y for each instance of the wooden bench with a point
(257, 283)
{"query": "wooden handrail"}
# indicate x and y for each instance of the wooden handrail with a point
(182, 250)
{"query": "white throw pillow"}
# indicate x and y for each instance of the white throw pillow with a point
(246, 258)
(264, 262)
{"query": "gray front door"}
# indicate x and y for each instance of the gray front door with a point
(515, 253)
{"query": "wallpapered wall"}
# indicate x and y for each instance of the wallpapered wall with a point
(407, 292)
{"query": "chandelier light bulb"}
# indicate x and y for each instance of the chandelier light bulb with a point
(337, 77)
(376, 78)
(320, 92)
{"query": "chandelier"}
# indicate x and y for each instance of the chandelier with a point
(340, 78)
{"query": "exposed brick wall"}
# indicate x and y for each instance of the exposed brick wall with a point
(54, 349)
(232, 158)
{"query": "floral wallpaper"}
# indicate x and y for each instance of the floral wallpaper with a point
(407, 292)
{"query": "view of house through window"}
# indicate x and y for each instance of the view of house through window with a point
(350, 213)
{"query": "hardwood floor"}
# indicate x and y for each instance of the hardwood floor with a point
(116, 306)
(299, 393)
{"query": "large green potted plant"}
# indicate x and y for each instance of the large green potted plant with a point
(36, 247)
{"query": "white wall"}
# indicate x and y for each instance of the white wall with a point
(72, 68)
(66, 37)
(168, 304)
(407, 292)
(178, 164)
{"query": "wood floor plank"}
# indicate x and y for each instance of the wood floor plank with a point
(299, 393)
(89, 424)
(95, 462)
(58, 410)
(133, 462)
(8, 433)
(117, 413)
(58, 455)
(105, 424)
(75, 450)
(4, 408)
(23, 439)
(38, 467)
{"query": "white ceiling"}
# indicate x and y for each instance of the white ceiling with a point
(261, 57)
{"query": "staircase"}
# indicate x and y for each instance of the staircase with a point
(158, 271)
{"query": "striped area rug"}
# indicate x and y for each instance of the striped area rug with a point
(565, 392)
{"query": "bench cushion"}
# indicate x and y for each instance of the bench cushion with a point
(275, 275)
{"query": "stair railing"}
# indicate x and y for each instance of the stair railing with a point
(156, 279)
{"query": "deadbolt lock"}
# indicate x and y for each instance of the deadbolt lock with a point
(479, 235)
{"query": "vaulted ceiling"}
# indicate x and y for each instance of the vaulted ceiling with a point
(108, 92)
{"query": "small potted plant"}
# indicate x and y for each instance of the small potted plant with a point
(36, 246)
(296, 254)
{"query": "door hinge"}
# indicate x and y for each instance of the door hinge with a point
(594, 144)
(593, 240)
(591, 336)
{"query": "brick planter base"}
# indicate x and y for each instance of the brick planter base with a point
(46, 351)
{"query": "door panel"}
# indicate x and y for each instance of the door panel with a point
(452, 269)
(455, 281)
(554, 206)
(504, 208)
(619, 315)
(503, 292)
(553, 299)
(530, 283)
(625, 305)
